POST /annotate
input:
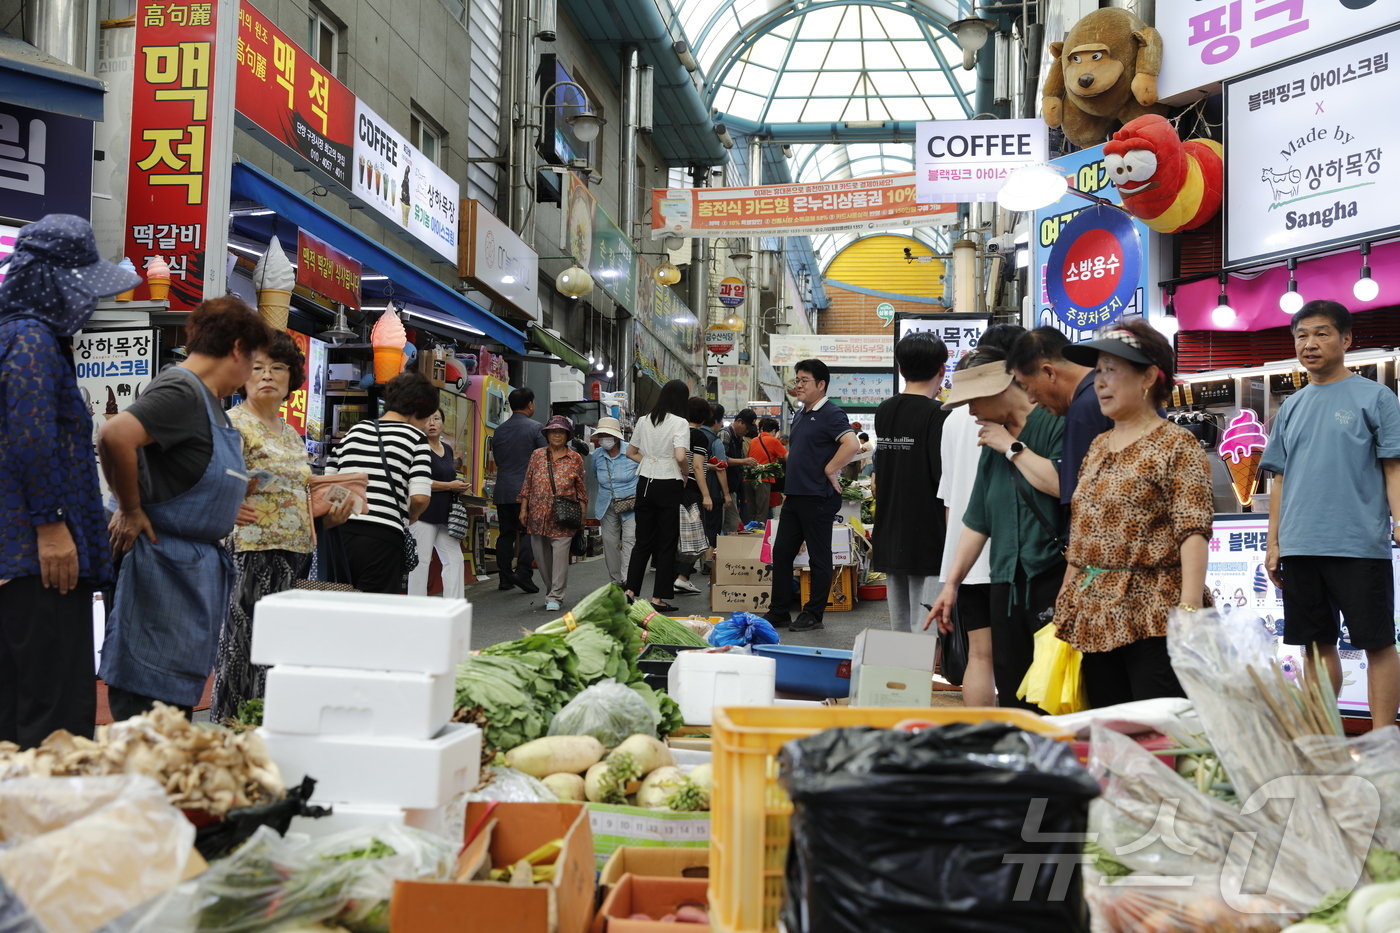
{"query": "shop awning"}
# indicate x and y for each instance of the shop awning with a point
(31, 78)
(547, 341)
(253, 184)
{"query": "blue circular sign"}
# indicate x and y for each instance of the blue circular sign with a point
(1095, 268)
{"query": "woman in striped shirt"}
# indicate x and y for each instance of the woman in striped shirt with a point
(394, 452)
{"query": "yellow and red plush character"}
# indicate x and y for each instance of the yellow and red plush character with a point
(1168, 184)
(1104, 74)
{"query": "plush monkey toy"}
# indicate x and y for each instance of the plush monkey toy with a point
(1104, 74)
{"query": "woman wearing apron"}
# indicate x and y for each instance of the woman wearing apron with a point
(173, 585)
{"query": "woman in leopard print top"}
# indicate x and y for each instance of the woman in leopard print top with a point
(1140, 519)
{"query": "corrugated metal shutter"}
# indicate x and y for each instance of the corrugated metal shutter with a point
(877, 262)
(484, 100)
(1199, 351)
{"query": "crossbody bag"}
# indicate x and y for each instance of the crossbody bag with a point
(568, 513)
(410, 547)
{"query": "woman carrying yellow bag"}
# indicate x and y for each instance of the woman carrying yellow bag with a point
(1139, 522)
(1054, 681)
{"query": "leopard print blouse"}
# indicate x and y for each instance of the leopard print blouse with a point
(1130, 513)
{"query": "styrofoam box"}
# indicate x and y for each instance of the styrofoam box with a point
(345, 816)
(341, 701)
(417, 774)
(699, 681)
(365, 631)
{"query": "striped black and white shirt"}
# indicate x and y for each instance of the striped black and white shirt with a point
(410, 461)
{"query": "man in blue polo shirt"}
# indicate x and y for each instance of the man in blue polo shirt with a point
(821, 443)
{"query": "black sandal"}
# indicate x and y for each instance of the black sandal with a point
(666, 609)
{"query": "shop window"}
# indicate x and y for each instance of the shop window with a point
(323, 39)
(427, 137)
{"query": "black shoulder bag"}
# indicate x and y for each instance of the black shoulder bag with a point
(568, 513)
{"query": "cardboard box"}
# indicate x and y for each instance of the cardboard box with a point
(739, 547)
(730, 597)
(508, 832)
(433, 364)
(654, 896)
(843, 589)
(363, 631)
(615, 827)
(341, 701)
(655, 862)
(892, 668)
(410, 773)
(699, 681)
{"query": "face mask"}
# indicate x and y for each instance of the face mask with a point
(607, 443)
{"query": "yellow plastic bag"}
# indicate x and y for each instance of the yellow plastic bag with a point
(1053, 682)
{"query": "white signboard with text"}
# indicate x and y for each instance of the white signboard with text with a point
(1309, 161)
(968, 160)
(1211, 41)
(402, 184)
(960, 333)
(842, 351)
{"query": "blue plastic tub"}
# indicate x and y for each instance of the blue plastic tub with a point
(814, 672)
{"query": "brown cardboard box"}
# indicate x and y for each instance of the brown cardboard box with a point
(843, 589)
(731, 597)
(739, 547)
(654, 896)
(511, 832)
(738, 562)
(659, 862)
(433, 364)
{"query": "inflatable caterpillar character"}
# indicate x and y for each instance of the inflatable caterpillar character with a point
(1169, 184)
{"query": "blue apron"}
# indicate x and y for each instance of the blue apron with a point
(171, 598)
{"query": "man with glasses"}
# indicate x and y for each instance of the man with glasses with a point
(821, 443)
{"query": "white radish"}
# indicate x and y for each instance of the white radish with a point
(1364, 900)
(555, 753)
(647, 751)
(1384, 917)
(658, 786)
(703, 777)
(566, 786)
(593, 783)
(1308, 928)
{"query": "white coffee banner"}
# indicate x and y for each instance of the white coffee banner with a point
(401, 183)
(969, 160)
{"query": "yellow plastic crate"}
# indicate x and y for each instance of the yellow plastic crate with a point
(749, 811)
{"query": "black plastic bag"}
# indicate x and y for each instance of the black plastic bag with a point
(952, 654)
(967, 828)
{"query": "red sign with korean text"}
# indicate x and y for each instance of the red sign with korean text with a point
(171, 122)
(284, 94)
(293, 410)
(327, 271)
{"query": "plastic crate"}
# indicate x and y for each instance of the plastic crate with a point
(813, 672)
(750, 812)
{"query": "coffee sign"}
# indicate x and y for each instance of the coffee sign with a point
(1309, 163)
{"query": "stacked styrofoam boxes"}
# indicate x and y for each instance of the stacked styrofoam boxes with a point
(359, 697)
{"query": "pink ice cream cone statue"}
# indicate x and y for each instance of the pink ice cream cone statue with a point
(1242, 448)
(158, 278)
(387, 338)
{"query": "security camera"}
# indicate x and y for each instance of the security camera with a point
(1005, 243)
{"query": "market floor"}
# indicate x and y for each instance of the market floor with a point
(502, 615)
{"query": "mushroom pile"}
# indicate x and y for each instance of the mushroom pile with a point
(201, 768)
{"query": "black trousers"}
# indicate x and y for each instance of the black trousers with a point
(1015, 612)
(513, 533)
(124, 704)
(47, 680)
(375, 553)
(1141, 670)
(805, 519)
(658, 532)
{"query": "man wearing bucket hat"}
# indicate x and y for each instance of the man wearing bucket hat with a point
(1006, 514)
(615, 506)
(554, 478)
(53, 541)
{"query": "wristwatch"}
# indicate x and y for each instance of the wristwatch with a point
(1015, 448)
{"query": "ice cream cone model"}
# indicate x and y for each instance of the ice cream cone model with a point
(275, 278)
(130, 293)
(158, 278)
(1242, 447)
(387, 338)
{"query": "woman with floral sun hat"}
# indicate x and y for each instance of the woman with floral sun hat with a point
(555, 474)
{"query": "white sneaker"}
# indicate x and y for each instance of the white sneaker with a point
(685, 586)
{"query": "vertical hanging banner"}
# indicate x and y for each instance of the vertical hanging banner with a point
(293, 410)
(284, 96)
(173, 113)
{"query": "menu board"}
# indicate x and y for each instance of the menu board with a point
(1236, 579)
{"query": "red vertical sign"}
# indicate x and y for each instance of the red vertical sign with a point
(171, 125)
(327, 271)
(294, 408)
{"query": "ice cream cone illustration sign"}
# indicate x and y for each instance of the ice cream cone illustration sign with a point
(1242, 448)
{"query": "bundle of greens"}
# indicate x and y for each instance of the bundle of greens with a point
(507, 690)
(599, 656)
(661, 629)
(553, 659)
(605, 607)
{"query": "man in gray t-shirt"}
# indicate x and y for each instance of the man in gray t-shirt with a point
(511, 446)
(1334, 455)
